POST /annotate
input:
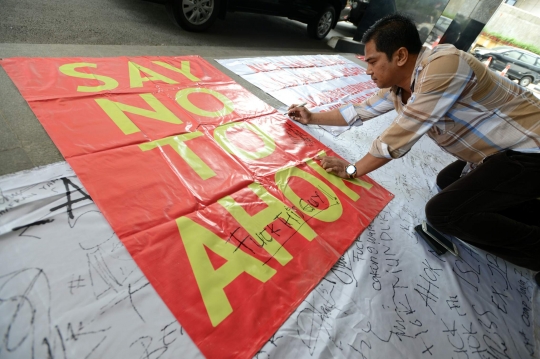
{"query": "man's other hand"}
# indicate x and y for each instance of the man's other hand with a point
(334, 165)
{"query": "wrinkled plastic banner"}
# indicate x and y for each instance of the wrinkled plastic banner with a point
(215, 195)
(323, 82)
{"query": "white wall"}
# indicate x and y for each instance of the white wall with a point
(516, 23)
(532, 6)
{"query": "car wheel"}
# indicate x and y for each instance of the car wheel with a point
(525, 81)
(195, 15)
(319, 27)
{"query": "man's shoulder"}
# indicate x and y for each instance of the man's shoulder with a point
(444, 59)
(443, 51)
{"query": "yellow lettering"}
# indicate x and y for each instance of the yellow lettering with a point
(256, 225)
(184, 69)
(338, 181)
(116, 110)
(220, 135)
(70, 70)
(178, 144)
(136, 80)
(324, 195)
(183, 100)
(211, 282)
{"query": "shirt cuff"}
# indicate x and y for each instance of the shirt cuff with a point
(350, 115)
(380, 149)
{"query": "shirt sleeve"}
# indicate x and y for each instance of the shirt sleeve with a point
(376, 105)
(437, 88)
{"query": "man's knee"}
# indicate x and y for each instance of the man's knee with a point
(450, 174)
(439, 212)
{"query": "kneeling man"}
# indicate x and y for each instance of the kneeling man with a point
(490, 195)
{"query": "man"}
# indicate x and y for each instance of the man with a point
(492, 125)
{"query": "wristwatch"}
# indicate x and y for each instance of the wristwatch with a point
(351, 170)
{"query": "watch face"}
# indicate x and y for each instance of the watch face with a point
(351, 169)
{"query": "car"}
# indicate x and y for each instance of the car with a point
(442, 24)
(524, 65)
(357, 10)
(432, 33)
(320, 15)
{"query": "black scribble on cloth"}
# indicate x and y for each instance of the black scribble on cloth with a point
(498, 267)
(527, 342)
(310, 206)
(148, 348)
(405, 327)
(27, 226)
(453, 303)
(343, 270)
(428, 349)
(311, 321)
(464, 270)
(70, 202)
(427, 289)
(241, 241)
(359, 350)
(76, 283)
(104, 280)
(25, 299)
(525, 292)
(73, 334)
(25, 303)
(11, 200)
(262, 354)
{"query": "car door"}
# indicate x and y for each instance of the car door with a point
(502, 59)
(270, 7)
(306, 9)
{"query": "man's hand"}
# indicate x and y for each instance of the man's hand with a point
(334, 165)
(299, 114)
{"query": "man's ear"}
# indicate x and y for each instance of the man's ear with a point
(401, 56)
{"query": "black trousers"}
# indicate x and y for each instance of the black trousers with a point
(495, 207)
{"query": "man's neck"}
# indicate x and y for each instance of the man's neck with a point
(408, 72)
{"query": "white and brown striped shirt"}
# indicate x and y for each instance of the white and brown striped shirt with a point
(470, 111)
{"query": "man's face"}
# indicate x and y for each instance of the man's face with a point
(382, 71)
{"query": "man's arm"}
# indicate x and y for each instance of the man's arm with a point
(439, 85)
(377, 104)
(305, 116)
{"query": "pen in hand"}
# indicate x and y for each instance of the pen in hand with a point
(301, 105)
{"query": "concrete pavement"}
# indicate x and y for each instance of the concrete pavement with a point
(24, 144)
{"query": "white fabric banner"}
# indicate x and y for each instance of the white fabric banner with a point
(323, 82)
(69, 289)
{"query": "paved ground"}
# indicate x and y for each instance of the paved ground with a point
(101, 28)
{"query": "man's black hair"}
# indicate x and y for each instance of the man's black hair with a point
(392, 32)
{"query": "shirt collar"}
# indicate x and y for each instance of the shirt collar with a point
(419, 65)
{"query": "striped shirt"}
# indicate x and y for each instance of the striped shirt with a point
(468, 110)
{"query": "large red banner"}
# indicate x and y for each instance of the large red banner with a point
(215, 194)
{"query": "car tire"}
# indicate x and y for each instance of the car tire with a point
(320, 26)
(195, 15)
(525, 81)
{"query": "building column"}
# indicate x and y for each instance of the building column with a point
(469, 22)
